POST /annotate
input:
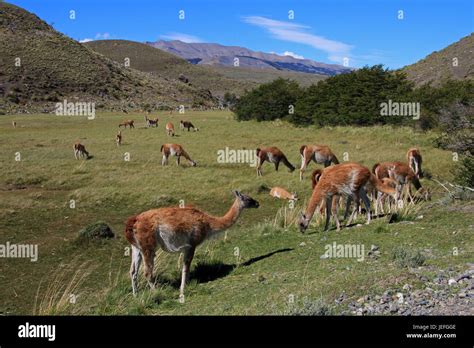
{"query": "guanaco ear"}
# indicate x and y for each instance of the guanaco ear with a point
(237, 194)
(303, 216)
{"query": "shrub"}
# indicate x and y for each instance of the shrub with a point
(404, 257)
(97, 230)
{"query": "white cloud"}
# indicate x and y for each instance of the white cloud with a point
(298, 33)
(181, 37)
(98, 36)
(292, 54)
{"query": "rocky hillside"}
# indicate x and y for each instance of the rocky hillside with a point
(220, 55)
(40, 66)
(438, 66)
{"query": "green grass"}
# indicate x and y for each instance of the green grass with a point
(276, 261)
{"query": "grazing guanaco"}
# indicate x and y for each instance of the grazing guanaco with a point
(281, 193)
(129, 123)
(118, 138)
(414, 161)
(318, 154)
(170, 129)
(403, 175)
(174, 150)
(176, 230)
(273, 155)
(149, 122)
(188, 125)
(348, 179)
(14, 124)
(80, 151)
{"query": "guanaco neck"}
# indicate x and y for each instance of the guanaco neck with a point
(221, 223)
(314, 201)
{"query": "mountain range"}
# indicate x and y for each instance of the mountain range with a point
(219, 55)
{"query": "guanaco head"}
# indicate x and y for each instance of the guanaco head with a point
(246, 201)
(193, 164)
(304, 222)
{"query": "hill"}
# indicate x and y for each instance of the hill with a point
(218, 79)
(40, 66)
(220, 55)
(438, 66)
(168, 66)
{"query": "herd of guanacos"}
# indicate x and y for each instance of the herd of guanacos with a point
(182, 229)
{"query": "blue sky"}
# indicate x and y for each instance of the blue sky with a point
(366, 32)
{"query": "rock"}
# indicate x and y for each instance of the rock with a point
(419, 217)
(406, 287)
(462, 295)
(452, 281)
(400, 297)
(302, 244)
(96, 230)
(393, 308)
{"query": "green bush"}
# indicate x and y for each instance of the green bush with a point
(97, 230)
(404, 257)
(267, 102)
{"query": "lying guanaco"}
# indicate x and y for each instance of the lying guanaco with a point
(129, 123)
(118, 138)
(149, 122)
(174, 150)
(80, 151)
(281, 193)
(414, 161)
(348, 179)
(273, 155)
(176, 230)
(170, 129)
(188, 125)
(318, 154)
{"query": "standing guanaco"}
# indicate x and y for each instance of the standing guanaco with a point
(80, 151)
(318, 154)
(348, 179)
(14, 124)
(273, 155)
(176, 230)
(170, 129)
(118, 138)
(403, 175)
(281, 193)
(174, 150)
(414, 161)
(151, 121)
(188, 125)
(129, 123)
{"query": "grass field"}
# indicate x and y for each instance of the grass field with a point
(275, 263)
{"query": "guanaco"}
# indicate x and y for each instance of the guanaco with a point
(170, 129)
(176, 229)
(80, 151)
(129, 123)
(403, 175)
(14, 124)
(414, 161)
(118, 138)
(273, 155)
(318, 154)
(174, 150)
(149, 122)
(281, 193)
(188, 125)
(348, 179)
